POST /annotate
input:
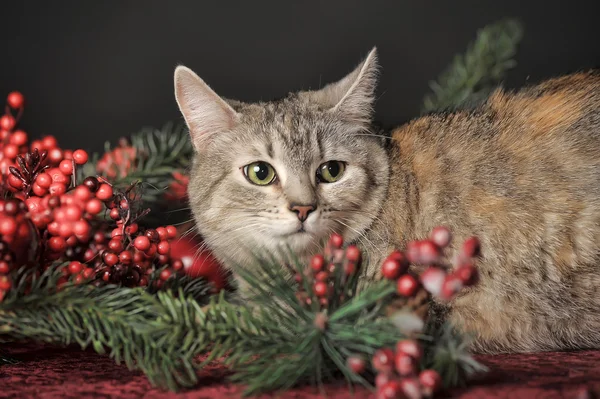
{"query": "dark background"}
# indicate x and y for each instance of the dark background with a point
(96, 70)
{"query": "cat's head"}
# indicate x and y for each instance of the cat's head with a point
(286, 173)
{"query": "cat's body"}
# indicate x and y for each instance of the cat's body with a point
(521, 172)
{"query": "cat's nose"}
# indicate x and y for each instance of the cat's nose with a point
(302, 210)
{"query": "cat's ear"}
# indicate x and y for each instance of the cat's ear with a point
(203, 110)
(353, 96)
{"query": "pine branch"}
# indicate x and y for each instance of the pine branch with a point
(472, 76)
(159, 334)
(159, 154)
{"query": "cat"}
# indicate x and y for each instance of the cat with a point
(521, 171)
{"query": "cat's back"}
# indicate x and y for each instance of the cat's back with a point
(522, 172)
(541, 139)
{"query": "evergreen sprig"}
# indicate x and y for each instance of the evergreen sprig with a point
(271, 344)
(472, 76)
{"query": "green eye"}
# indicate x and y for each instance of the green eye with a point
(331, 171)
(260, 173)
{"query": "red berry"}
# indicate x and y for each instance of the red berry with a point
(57, 244)
(15, 182)
(44, 180)
(165, 274)
(104, 192)
(441, 236)
(411, 388)
(451, 286)
(65, 229)
(382, 379)
(82, 193)
(322, 276)
(72, 212)
(413, 252)
(49, 142)
(7, 122)
(5, 284)
(316, 262)
(93, 206)
(75, 267)
(110, 259)
(356, 364)
(4, 267)
(383, 360)
(350, 268)
(15, 100)
(471, 247)
(55, 155)
(171, 231)
(11, 151)
(320, 289)
(118, 232)
(126, 257)
(407, 285)
(162, 234)
(132, 228)
(124, 204)
(467, 274)
(57, 189)
(410, 347)
(18, 138)
(429, 252)
(430, 381)
(91, 183)
(142, 243)
(336, 241)
(81, 228)
(163, 247)
(66, 167)
(151, 251)
(114, 214)
(433, 279)
(80, 157)
(352, 253)
(177, 264)
(88, 272)
(39, 191)
(406, 365)
(8, 226)
(11, 207)
(391, 390)
(391, 269)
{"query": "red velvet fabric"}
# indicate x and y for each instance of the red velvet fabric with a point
(49, 372)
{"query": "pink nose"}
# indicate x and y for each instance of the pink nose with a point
(302, 211)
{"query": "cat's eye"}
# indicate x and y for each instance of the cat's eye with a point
(260, 173)
(330, 172)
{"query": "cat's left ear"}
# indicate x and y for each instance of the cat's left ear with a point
(352, 96)
(204, 111)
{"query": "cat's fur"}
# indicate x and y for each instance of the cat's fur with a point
(521, 172)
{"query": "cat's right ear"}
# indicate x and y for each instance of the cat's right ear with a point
(203, 110)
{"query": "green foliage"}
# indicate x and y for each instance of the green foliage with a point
(271, 344)
(471, 77)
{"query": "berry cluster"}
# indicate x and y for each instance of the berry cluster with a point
(440, 279)
(46, 216)
(118, 162)
(398, 374)
(329, 274)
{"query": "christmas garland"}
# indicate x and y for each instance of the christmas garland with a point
(82, 262)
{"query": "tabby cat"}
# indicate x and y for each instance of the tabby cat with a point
(521, 172)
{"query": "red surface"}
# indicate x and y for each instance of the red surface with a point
(49, 372)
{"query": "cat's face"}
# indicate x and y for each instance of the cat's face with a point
(269, 176)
